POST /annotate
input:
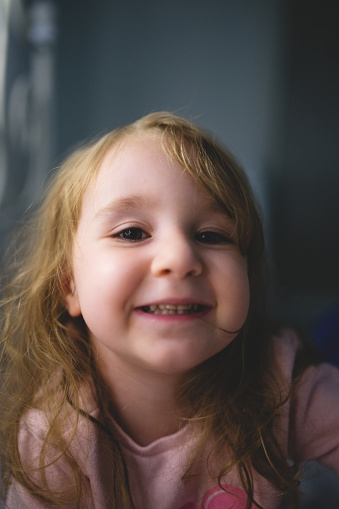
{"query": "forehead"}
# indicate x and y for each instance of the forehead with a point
(139, 166)
(132, 154)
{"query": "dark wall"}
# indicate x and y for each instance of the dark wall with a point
(305, 209)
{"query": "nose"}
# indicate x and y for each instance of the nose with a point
(176, 256)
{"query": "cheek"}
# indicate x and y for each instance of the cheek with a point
(240, 294)
(235, 293)
(244, 296)
(106, 281)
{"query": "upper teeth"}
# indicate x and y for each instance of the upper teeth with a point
(171, 309)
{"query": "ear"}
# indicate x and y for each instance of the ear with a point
(71, 299)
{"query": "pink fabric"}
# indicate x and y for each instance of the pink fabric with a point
(308, 430)
(221, 498)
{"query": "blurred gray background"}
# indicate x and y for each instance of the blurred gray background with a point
(261, 75)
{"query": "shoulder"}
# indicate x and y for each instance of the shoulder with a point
(56, 453)
(50, 433)
(286, 343)
(312, 410)
(301, 367)
(293, 352)
(286, 347)
(33, 430)
(42, 466)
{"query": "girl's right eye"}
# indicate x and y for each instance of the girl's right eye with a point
(132, 234)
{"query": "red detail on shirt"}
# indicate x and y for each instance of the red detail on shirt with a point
(225, 497)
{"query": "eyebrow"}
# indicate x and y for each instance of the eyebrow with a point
(125, 203)
(139, 201)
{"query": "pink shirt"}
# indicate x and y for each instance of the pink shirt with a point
(309, 429)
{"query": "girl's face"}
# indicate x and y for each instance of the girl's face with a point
(158, 275)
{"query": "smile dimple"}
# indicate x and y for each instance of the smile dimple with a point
(172, 309)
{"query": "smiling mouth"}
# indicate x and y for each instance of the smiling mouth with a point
(173, 309)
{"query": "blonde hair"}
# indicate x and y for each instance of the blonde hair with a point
(39, 338)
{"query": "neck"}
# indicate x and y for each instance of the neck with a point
(144, 402)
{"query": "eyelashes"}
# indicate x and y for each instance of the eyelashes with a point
(213, 237)
(209, 237)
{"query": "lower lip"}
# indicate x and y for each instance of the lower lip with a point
(174, 318)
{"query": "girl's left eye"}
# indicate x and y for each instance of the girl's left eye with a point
(133, 234)
(211, 237)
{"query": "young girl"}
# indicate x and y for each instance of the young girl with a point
(138, 370)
